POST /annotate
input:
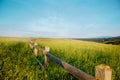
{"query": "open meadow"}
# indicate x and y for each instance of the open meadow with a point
(17, 61)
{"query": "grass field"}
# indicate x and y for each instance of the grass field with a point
(17, 61)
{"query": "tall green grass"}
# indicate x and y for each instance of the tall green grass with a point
(20, 64)
(85, 55)
(17, 61)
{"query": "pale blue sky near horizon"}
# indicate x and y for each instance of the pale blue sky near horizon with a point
(59, 18)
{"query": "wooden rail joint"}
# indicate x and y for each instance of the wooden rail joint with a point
(47, 50)
(35, 50)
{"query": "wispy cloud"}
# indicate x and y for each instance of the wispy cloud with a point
(51, 24)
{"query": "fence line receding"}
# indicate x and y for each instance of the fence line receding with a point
(102, 72)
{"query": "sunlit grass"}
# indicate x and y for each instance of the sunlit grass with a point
(85, 55)
(19, 62)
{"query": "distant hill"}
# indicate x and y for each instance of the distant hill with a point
(113, 40)
(118, 37)
(103, 39)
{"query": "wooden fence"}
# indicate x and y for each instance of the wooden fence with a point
(102, 72)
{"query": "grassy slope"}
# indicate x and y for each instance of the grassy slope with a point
(19, 62)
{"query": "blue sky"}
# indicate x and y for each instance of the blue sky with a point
(59, 18)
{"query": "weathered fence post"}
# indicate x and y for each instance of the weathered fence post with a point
(47, 50)
(103, 72)
(35, 50)
(36, 54)
(30, 43)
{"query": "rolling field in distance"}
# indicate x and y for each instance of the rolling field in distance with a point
(17, 61)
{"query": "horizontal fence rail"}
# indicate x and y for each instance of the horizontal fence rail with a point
(71, 69)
